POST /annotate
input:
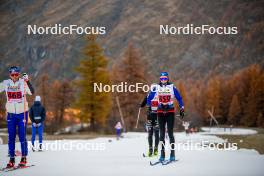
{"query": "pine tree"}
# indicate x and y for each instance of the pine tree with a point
(130, 69)
(61, 98)
(253, 88)
(251, 113)
(213, 95)
(234, 111)
(94, 106)
(260, 120)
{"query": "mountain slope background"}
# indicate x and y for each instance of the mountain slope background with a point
(137, 22)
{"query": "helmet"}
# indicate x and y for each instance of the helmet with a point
(14, 69)
(164, 74)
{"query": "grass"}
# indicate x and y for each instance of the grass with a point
(255, 141)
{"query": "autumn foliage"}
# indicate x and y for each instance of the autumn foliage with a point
(237, 99)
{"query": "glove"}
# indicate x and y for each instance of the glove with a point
(182, 112)
(39, 124)
(25, 77)
(34, 124)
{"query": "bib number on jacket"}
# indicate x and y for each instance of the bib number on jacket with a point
(164, 99)
(14, 96)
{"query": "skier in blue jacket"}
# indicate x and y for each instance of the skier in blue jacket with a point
(166, 92)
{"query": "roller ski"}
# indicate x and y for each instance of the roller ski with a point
(11, 165)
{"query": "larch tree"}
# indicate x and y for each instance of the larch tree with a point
(234, 110)
(94, 105)
(132, 70)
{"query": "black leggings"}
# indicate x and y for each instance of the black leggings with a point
(166, 118)
(153, 127)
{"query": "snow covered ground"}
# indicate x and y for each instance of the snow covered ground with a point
(124, 157)
(228, 131)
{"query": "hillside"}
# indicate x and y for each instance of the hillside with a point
(137, 22)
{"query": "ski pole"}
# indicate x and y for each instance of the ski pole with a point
(138, 117)
(25, 118)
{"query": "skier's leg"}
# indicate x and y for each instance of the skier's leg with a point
(33, 135)
(162, 122)
(150, 134)
(170, 125)
(22, 125)
(11, 125)
(40, 132)
(150, 140)
(118, 133)
(156, 130)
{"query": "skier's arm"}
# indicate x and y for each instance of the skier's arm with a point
(151, 94)
(30, 88)
(150, 97)
(31, 115)
(43, 114)
(178, 97)
(2, 87)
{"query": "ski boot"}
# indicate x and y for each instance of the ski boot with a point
(150, 152)
(172, 156)
(162, 156)
(23, 162)
(40, 147)
(11, 163)
(156, 151)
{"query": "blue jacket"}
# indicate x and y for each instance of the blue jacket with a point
(175, 91)
(37, 113)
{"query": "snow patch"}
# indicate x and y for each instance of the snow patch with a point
(125, 156)
(228, 131)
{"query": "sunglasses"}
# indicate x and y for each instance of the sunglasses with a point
(164, 79)
(14, 74)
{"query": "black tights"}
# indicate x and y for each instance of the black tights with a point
(153, 128)
(166, 118)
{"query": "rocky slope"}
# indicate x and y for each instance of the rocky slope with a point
(138, 22)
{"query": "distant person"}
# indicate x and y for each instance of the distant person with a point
(186, 127)
(118, 128)
(16, 89)
(37, 115)
(231, 127)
